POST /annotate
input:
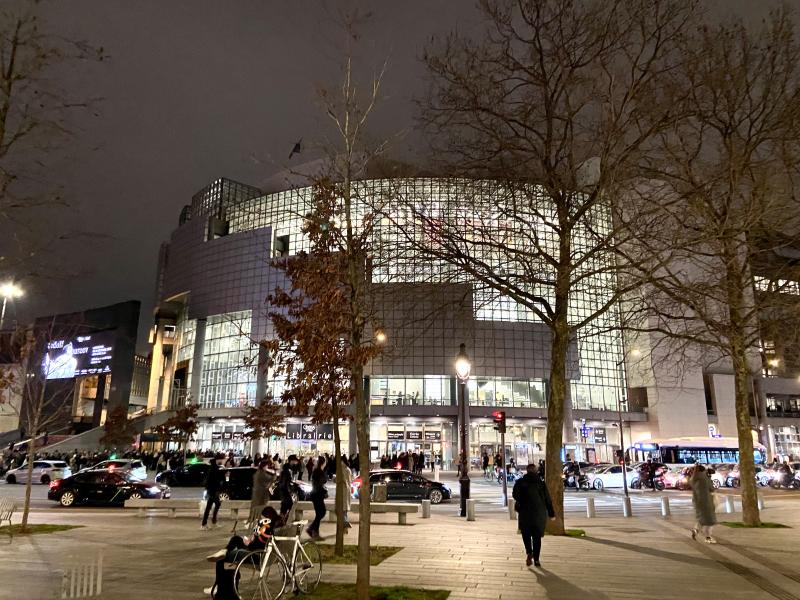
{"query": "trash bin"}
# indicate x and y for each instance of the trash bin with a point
(379, 493)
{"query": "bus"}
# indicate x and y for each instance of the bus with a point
(691, 450)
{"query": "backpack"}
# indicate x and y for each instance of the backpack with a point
(224, 585)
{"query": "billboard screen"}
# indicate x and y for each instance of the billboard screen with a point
(82, 355)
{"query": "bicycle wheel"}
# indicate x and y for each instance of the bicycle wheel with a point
(308, 567)
(254, 583)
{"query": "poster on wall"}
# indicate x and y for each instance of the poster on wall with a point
(227, 435)
(238, 435)
(216, 435)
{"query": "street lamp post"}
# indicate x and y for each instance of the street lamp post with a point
(620, 401)
(8, 291)
(463, 367)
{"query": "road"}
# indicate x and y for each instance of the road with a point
(488, 496)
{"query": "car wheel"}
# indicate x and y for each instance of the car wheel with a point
(435, 496)
(715, 483)
(11, 479)
(598, 484)
(223, 496)
(735, 483)
(137, 495)
(636, 484)
(67, 499)
(45, 479)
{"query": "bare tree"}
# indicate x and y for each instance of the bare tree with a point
(538, 123)
(723, 179)
(42, 406)
(34, 121)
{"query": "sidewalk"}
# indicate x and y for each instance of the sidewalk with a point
(641, 557)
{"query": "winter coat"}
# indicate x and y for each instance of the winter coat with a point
(213, 479)
(347, 478)
(702, 499)
(260, 482)
(318, 481)
(533, 504)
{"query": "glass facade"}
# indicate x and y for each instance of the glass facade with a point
(229, 362)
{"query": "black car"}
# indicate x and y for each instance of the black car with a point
(405, 485)
(103, 487)
(237, 484)
(191, 475)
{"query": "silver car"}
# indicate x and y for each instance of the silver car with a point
(44, 471)
(127, 466)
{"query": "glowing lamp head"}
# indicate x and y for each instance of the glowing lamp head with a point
(774, 362)
(463, 364)
(10, 290)
(380, 336)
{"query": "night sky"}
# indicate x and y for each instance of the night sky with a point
(195, 90)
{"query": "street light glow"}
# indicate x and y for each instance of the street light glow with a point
(380, 336)
(463, 364)
(10, 290)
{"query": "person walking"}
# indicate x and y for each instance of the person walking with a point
(213, 484)
(310, 466)
(344, 501)
(533, 506)
(703, 503)
(260, 494)
(283, 490)
(318, 495)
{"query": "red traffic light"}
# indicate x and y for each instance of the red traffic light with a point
(500, 420)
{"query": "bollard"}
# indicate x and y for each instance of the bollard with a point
(471, 509)
(200, 509)
(591, 513)
(512, 513)
(665, 512)
(761, 504)
(436, 472)
(729, 506)
(426, 509)
(626, 508)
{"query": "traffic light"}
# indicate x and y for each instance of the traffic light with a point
(499, 420)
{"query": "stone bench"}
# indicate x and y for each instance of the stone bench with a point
(170, 505)
(401, 509)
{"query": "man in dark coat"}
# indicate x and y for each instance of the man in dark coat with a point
(533, 506)
(213, 484)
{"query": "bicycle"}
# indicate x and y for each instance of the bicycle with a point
(263, 574)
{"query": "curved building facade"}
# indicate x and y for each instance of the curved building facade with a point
(216, 272)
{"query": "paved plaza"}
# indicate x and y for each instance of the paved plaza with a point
(641, 557)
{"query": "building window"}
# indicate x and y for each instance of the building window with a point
(229, 362)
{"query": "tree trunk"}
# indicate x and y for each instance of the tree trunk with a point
(340, 491)
(555, 422)
(362, 434)
(27, 507)
(735, 286)
(747, 472)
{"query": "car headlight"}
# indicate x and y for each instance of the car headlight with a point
(154, 489)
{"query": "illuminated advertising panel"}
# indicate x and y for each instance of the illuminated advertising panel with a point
(89, 354)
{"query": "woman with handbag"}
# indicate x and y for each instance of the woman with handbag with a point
(318, 495)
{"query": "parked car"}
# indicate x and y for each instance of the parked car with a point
(133, 467)
(719, 473)
(404, 485)
(191, 475)
(103, 487)
(610, 477)
(238, 485)
(44, 471)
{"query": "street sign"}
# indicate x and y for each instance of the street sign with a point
(600, 435)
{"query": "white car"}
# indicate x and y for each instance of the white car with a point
(44, 471)
(610, 477)
(133, 467)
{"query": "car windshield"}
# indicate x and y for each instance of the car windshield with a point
(59, 464)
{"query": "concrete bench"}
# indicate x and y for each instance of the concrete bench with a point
(401, 509)
(170, 505)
